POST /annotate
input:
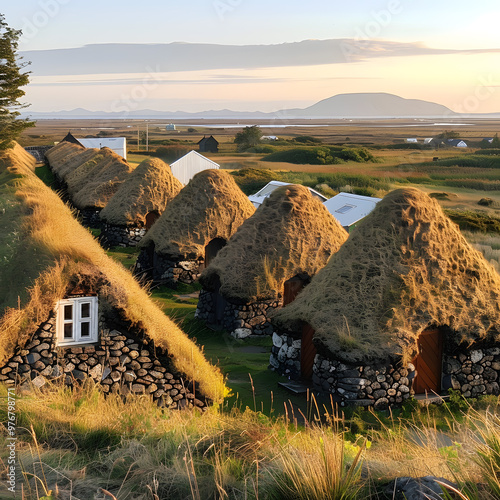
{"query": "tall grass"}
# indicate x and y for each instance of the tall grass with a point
(77, 443)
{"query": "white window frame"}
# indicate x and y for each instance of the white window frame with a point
(77, 320)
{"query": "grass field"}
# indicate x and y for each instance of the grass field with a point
(265, 442)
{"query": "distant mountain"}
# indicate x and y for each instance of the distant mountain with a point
(359, 106)
(371, 105)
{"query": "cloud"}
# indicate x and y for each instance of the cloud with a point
(175, 57)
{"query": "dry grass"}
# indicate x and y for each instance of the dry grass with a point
(405, 267)
(92, 175)
(78, 442)
(151, 186)
(58, 250)
(210, 206)
(291, 233)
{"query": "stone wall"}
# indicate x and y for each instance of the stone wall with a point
(90, 217)
(372, 385)
(240, 320)
(168, 271)
(473, 372)
(38, 152)
(285, 355)
(121, 236)
(119, 362)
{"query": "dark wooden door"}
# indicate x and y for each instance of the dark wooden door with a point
(151, 218)
(307, 352)
(428, 362)
(292, 287)
(212, 249)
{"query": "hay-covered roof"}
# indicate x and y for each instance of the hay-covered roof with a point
(92, 175)
(292, 232)
(210, 206)
(405, 268)
(151, 186)
(45, 250)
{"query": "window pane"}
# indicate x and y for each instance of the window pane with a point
(68, 312)
(68, 330)
(86, 310)
(85, 329)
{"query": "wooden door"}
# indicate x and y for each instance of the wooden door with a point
(307, 352)
(212, 249)
(292, 287)
(151, 218)
(428, 362)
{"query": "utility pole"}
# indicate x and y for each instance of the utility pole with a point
(138, 139)
(147, 136)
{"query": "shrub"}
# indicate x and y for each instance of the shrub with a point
(170, 154)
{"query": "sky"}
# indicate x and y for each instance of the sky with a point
(448, 52)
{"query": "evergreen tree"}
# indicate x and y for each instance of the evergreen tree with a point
(11, 79)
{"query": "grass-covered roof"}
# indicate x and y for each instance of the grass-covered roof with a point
(150, 187)
(210, 206)
(405, 268)
(92, 176)
(292, 232)
(44, 251)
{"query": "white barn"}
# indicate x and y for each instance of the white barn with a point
(350, 208)
(117, 144)
(258, 198)
(185, 168)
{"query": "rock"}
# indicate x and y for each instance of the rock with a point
(106, 372)
(96, 372)
(476, 356)
(39, 381)
(33, 357)
(424, 488)
(277, 340)
(381, 404)
(241, 333)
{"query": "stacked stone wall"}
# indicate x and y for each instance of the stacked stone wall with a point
(240, 320)
(121, 236)
(168, 271)
(119, 362)
(473, 372)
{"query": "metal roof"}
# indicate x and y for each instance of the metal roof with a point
(189, 165)
(258, 198)
(349, 208)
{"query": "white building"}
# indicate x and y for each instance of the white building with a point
(413, 140)
(189, 165)
(349, 208)
(117, 144)
(258, 198)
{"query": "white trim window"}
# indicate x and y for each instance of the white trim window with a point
(77, 321)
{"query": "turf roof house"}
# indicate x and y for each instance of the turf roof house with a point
(405, 306)
(138, 203)
(70, 313)
(275, 252)
(89, 177)
(192, 229)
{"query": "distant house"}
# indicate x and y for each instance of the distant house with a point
(350, 208)
(429, 140)
(269, 138)
(170, 127)
(116, 144)
(72, 139)
(258, 198)
(189, 165)
(208, 145)
(411, 140)
(457, 143)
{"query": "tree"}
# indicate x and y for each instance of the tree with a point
(11, 79)
(248, 138)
